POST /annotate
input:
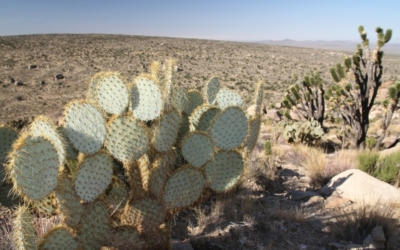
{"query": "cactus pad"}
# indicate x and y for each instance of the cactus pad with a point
(183, 188)
(226, 98)
(33, 167)
(85, 127)
(117, 195)
(163, 166)
(197, 148)
(43, 126)
(195, 99)
(24, 230)
(229, 128)
(197, 113)
(252, 135)
(224, 171)
(179, 98)
(166, 130)
(211, 90)
(126, 237)
(146, 215)
(71, 152)
(7, 137)
(127, 138)
(93, 176)
(207, 117)
(58, 238)
(95, 226)
(146, 99)
(68, 202)
(92, 85)
(46, 206)
(112, 94)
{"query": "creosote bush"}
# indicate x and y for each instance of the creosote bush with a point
(367, 161)
(267, 147)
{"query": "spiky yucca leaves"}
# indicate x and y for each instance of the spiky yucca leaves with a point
(85, 126)
(358, 81)
(93, 176)
(306, 98)
(225, 170)
(146, 99)
(24, 230)
(58, 238)
(390, 105)
(33, 167)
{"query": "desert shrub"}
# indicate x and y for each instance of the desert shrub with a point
(387, 168)
(267, 147)
(367, 161)
(355, 225)
(370, 142)
(341, 161)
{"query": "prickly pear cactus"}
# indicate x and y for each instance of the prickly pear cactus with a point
(308, 132)
(136, 154)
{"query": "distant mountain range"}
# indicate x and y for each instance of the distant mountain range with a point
(389, 49)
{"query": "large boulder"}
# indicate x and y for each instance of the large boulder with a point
(360, 187)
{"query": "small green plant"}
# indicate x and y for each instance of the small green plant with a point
(370, 142)
(387, 168)
(267, 147)
(367, 161)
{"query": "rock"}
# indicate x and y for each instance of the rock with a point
(370, 243)
(11, 80)
(315, 200)
(389, 141)
(59, 77)
(19, 83)
(353, 247)
(358, 186)
(297, 195)
(303, 247)
(294, 116)
(378, 235)
(389, 151)
(278, 105)
(274, 115)
(336, 245)
(42, 82)
(32, 66)
(179, 245)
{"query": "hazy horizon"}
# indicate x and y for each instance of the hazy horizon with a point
(247, 21)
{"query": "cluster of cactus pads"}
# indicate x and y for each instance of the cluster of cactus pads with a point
(126, 160)
(307, 132)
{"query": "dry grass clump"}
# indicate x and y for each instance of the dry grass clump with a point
(355, 225)
(341, 161)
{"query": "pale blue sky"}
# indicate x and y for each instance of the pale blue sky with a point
(246, 20)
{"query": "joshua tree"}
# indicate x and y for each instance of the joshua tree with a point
(390, 104)
(357, 84)
(306, 99)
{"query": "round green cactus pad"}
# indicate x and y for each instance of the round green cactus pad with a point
(166, 130)
(7, 137)
(92, 85)
(211, 90)
(58, 238)
(179, 98)
(93, 176)
(127, 138)
(197, 113)
(33, 167)
(183, 188)
(71, 152)
(224, 171)
(95, 226)
(197, 148)
(112, 94)
(226, 98)
(146, 215)
(24, 231)
(68, 202)
(207, 117)
(252, 136)
(163, 166)
(43, 126)
(195, 99)
(229, 128)
(85, 127)
(146, 99)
